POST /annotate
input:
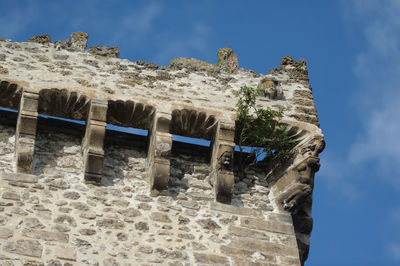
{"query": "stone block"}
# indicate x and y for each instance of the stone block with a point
(5, 233)
(234, 210)
(78, 41)
(34, 223)
(246, 254)
(11, 195)
(110, 223)
(239, 261)
(227, 60)
(211, 259)
(27, 123)
(95, 135)
(42, 39)
(25, 146)
(160, 176)
(265, 225)
(65, 253)
(245, 232)
(104, 51)
(224, 187)
(46, 235)
(26, 247)
(263, 246)
(160, 217)
(19, 177)
(226, 130)
(94, 163)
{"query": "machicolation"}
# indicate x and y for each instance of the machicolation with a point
(76, 189)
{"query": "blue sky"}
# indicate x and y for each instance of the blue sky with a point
(352, 49)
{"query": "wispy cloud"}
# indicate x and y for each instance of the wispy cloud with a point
(393, 247)
(138, 22)
(393, 250)
(337, 175)
(378, 73)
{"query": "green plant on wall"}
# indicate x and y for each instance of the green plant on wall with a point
(260, 129)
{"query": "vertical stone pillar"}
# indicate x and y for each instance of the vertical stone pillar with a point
(26, 131)
(93, 141)
(222, 160)
(160, 145)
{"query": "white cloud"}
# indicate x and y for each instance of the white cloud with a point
(393, 250)
(377, 69)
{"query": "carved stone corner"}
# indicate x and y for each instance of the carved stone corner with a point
(293, 191)
(93, 141)
(26, 131)
(222, 161)
(158, 159)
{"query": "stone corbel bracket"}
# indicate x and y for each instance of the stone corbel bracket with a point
(293, 190)
(93, 152)
(158, 160)
(26, 131)
(223, 146)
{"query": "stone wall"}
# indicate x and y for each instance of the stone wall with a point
(53, 217)
(79, 194)
(184, 83)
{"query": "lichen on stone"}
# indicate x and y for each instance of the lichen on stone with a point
(42, 39)
(192, 64)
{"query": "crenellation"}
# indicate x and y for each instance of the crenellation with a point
(84, 194)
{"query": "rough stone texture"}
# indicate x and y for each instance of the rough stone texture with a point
(78, 41)
(227, 60)
(42, 39)
(52, 217)
(104, 51)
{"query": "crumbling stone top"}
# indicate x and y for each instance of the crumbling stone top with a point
(98, 73)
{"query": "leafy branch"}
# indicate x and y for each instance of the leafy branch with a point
(260, 129)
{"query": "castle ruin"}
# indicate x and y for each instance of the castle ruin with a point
(76, 191)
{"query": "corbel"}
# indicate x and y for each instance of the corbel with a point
(93, 141)
(160, 145)
(26, 131)
(222, 160)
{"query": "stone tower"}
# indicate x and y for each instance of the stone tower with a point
(77, 191)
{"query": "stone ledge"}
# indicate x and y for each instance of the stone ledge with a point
(25, 178)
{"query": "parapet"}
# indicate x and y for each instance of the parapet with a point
(82, 193)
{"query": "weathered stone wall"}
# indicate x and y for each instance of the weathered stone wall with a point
(7, 147)
(90, 198)
(53, 217)
(185, 83)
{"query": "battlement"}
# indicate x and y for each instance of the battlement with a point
(171, 204)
